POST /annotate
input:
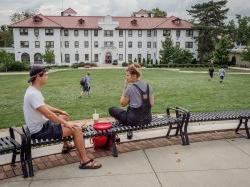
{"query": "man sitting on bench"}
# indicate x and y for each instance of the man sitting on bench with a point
(44, 123)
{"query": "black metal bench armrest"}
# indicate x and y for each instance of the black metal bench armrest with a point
(178, 111)
(14, 130)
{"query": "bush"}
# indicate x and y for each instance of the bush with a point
(115, 62)
(93, 64)
(124, 64)
(75, 65)
(15, 66)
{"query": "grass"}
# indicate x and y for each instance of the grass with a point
(190, 90)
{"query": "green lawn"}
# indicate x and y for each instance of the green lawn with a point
(190, 90)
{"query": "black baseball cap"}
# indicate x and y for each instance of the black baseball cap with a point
(35, 71)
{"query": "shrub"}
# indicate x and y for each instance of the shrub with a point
(115, 62)
(124, 64)
(93, 64)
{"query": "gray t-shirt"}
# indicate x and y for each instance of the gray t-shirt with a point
(33, 99)
(221, 72)
(87, 80)
(133, 93)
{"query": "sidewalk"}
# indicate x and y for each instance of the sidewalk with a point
(213, 163)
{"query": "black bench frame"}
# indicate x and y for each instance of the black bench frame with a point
(10, 145)
(179, 122)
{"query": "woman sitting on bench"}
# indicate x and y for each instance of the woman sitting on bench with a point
(138, 96)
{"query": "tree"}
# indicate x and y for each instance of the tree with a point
(174, 54)
(167, 50)
(208, 18)
(49, 56)
(246, 53)
(158, 13)
(243, 34)
(231, 29)
(6, 36)
(6, 60)
(222, 50)
(17, 16)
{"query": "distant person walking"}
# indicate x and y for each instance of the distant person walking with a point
(85, 84)
(221, 74)
(211, 72)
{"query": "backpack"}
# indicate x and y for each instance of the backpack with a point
(83, 82)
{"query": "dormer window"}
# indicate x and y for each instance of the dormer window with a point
(177, 21)
(37, 19)
(81, 21)
(134, 22)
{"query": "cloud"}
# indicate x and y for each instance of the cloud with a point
(111, 7)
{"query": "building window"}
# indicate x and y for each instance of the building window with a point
(23, 31)
(49, 44)
(86, 44)
(37, 44)
(148, 44)
(139, 33)
(149, 33)
(108, 44)
(66, 32)
(139, 57)
(130, 33)
(120, 33)
(96, 58)
(166, 32)
(178, 33)
(49, 32)
(96, 44)
(76, 44)
(149, 56)
(108, 33)
(66, 44)
(120, 44)
(189, 45)
(139, 44)
(77, 57)
(86, 33)
(67, 58)
(177, 44)
(86, 57)
(130, 57)
(120, 57)
(189, 33)
(95, 32)
(36, 32)
(76, 32)
(24, 44)
(155, 32)
(130, 45)
(155, 45)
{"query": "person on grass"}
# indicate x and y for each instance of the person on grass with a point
(138, 96)
(222, 74)
(85, 84)
(47, 122)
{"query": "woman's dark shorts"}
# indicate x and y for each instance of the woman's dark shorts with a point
(86, 88)
(50, 130)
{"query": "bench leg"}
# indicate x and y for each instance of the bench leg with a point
(247, 128)
(185, 133)
(28, 158)
(129, 135)
(238, 127)
(23, 162)
(113, 146)
(169, 130)
(13, 160)
(180, 126)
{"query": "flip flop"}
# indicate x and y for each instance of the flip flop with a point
(93, 165)
(67, 149)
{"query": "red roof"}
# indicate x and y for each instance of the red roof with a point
(69, 11)
(91, 22)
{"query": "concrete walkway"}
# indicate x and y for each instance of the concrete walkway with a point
(214, 163)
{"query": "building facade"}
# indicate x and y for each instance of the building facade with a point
(98, 39)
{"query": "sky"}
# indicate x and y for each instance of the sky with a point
(112, 7)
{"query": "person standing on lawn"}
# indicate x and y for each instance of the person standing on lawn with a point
(47, 122)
